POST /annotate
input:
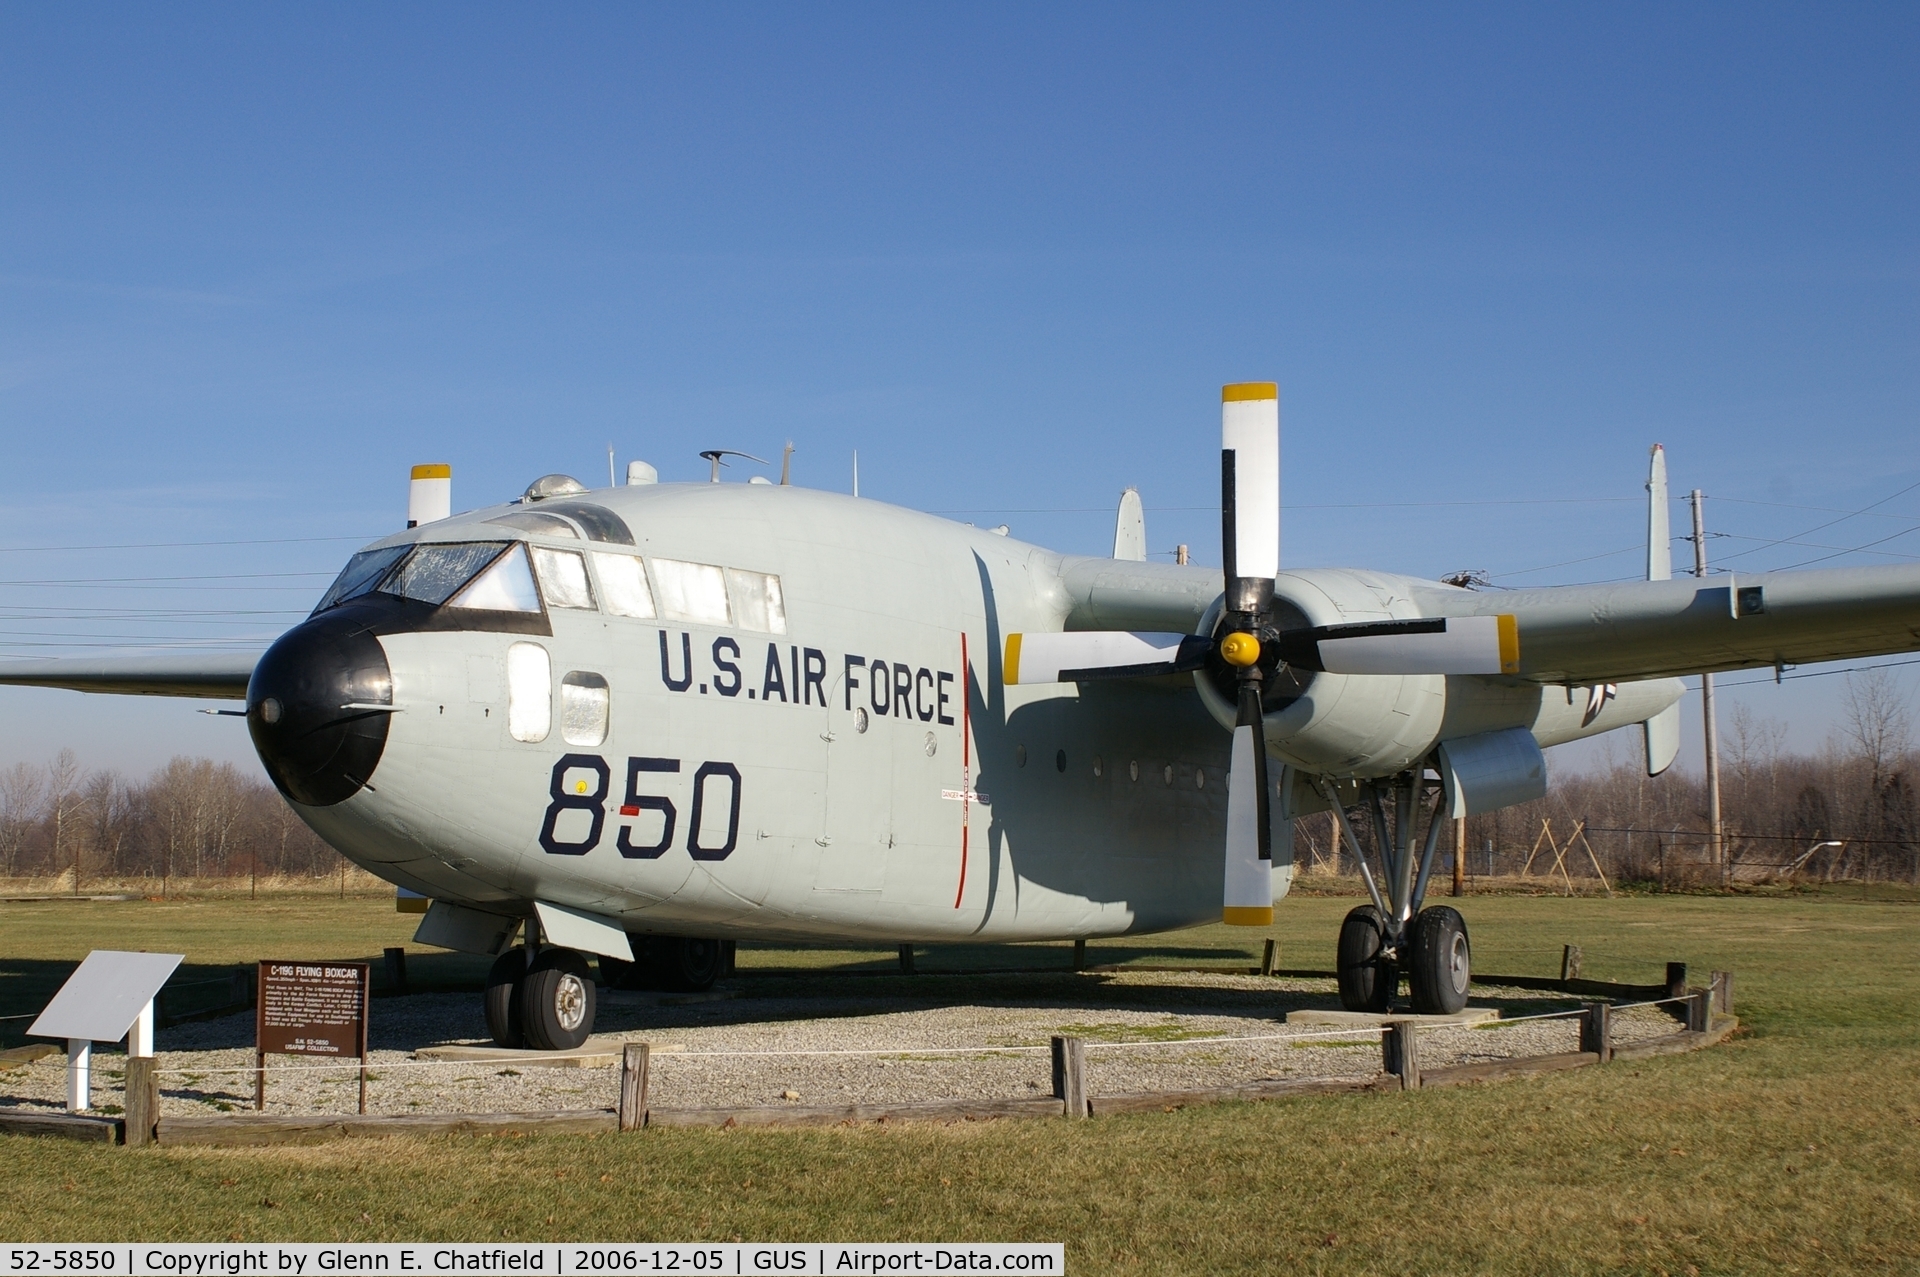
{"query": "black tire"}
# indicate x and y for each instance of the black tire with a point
(1367, 979)
(1439, 961)
(687, 964)
(557, 1001)
(502, 1000)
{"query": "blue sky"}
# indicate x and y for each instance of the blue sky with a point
(257, 260)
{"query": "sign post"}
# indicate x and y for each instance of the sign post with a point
(311, 1008)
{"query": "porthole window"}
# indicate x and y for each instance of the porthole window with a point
(1199, 778)
(860, 718)
(529, 692)
(1098, 765)
(1060, 760)
(584, 705)
(932, 746)
(1168, 774)
(1133, 770)
(1019, 755)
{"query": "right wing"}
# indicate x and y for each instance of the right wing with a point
(220, 677)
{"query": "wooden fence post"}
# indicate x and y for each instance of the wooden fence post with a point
(1270, 957)
(1400, 1053)
(1596, 1030)
(1570, 958)
(396, 969)
(633, 1086)
(1070, 1074)
(1699, 1010)
(1722, 985)
(143, 1100)
(906, 959)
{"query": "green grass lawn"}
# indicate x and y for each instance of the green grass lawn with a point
(1795, 1147)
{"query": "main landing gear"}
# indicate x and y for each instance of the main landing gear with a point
(545, 998)
(1394, 936)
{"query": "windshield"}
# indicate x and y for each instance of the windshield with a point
(428, 573)
(433, 573)
(362, 573)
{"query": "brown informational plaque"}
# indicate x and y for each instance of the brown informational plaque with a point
(311, 1008)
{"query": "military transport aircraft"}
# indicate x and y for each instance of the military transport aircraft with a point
(754, 711)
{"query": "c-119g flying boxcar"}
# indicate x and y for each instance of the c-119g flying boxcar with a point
(644, 721)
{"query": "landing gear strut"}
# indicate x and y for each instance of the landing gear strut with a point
(1394, 936)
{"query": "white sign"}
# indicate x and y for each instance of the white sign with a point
(105, 995)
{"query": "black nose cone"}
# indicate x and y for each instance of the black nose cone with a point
(306, 707)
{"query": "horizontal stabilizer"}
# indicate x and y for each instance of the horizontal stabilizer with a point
(220, 677)
(1078, 655)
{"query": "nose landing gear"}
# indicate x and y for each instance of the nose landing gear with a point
(1394, 936)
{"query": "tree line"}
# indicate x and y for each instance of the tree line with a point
(191, 818)
(1846, 808)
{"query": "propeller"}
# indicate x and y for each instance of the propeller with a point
(1251, 643)
(1250, 558)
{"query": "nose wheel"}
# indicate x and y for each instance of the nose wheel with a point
(544, 1001)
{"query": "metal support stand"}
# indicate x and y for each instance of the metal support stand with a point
(79, 1075)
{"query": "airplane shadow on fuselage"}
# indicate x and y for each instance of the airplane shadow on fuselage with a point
(1115, 795)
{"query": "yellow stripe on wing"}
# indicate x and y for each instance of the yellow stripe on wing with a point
(1509, 644)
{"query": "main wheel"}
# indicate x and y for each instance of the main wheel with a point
(1439, 961)
(1367, 978)
(557, 1001)
(502, 999)
(687, 964)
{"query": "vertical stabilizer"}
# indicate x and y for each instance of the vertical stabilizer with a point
(1662, 731)
(1659, 538)
(1130, 528)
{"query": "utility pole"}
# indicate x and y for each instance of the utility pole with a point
(1716, 844)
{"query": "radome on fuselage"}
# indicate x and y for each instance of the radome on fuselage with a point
(850, 764)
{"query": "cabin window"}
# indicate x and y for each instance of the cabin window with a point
(623, 585)
(362, 573)
(506, 585)
(692, 591)
(563, 578)
(434, 573)
(529, 692)
(757, 601)
(584, 702)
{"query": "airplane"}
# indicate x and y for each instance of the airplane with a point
(756, 711)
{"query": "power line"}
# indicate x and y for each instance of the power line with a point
(171, 545)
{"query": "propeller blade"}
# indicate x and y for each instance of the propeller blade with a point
(1249, 876)
(1250, 492)
(1429, 645)
(1077, 656)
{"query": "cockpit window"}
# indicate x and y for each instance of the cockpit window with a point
(434, 573)
(534, 521)
(506, 586)
(362, 573)
(563, 578)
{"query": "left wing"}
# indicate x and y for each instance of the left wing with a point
(220, 677)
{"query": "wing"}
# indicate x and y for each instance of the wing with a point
(1585, 634)
(221, 676)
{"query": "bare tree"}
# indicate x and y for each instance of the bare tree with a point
(1879, 721)
(21, 791)
(65, 802)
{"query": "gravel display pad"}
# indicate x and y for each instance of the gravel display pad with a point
(826, 1040)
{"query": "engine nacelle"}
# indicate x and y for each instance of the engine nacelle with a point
(1379, 724)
